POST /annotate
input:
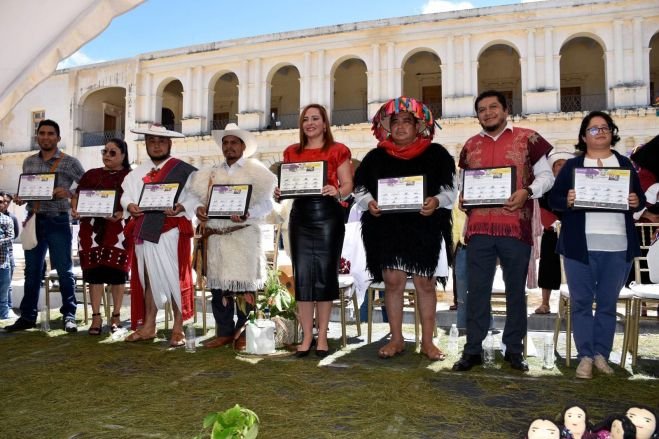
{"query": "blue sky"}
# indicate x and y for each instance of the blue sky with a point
(166, 24)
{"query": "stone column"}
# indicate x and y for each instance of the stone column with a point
(618, 59)
(306, 78)
(531, 83)
(448, 72)
(639, 71)
(549, 59)
(391, 50)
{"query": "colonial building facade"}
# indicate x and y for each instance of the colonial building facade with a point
(555, 61)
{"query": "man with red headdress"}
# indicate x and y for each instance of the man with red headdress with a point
(401, 243)
(162, 269)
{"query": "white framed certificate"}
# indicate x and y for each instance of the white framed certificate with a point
(487, 187)
(228, 199)
(602, 188)
(96, 203)
(37, 186)
(302, 179)
(158, 196)
(401, 194)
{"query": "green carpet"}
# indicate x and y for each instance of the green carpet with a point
(76, 386)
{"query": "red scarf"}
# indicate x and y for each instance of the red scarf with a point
(408, 152)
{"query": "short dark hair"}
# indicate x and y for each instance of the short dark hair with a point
(123, 147)
(488, 94)
(48, 123)
(581, 144)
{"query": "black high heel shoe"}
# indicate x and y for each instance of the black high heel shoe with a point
(302, 354)
(96, 330)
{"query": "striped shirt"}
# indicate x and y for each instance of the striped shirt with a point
(68, 171)
(6, 238)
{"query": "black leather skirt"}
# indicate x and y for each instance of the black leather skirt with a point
(316, 232)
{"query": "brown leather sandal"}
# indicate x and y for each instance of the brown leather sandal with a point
(96, 330)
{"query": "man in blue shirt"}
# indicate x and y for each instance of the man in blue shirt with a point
(53, 228)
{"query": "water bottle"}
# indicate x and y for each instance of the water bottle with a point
(548, 357)
(453, 340)
(488, 352)
(43, 317)
(266, 313)
(190, 338)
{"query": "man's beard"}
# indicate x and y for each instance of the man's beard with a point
(159, 158)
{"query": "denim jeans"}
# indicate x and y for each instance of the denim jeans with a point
(461, 285)
(5, 283)
(599, 281)
(54, 236)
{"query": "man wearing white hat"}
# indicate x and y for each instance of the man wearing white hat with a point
(235, 262)
(161, 270)
(549, 271)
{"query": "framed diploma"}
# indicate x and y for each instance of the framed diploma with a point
(228, 199)
(97, 203)
(487, 187)
(401, 194)
(602, 188)
(39, 186)
(302, 179)
(158, 196)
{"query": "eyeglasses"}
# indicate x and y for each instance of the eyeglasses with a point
(593, 131)
(112, 152)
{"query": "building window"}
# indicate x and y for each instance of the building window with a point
(37, 116)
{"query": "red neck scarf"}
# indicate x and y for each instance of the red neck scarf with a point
(408, 152)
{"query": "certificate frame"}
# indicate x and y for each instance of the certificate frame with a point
(479, 190)
(302, 179)
(28, 191)
(96, 202)
(402, 194)
(602, 189)
(157, 197)
(233, 200)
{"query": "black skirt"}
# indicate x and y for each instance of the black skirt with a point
(549, 272)
(316, 232)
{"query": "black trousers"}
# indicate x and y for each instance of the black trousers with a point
(224, 306)
(482, 254)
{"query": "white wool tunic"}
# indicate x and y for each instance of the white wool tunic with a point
(236, 261)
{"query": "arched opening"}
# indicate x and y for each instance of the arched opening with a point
(285, 98)
(103, 115)
(583, 81)
(225, 101)
(654, 70)
(171, 111)
(350, 90)
(499, 69)
(422, 80)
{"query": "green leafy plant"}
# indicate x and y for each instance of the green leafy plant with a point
(234, 423)
(276, 297)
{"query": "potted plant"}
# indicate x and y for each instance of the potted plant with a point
(235, 423)
(281, 304)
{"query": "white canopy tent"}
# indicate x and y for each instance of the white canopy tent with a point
(37, 34)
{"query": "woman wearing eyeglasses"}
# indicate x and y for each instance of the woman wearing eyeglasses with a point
(102, 246)
(597, 245)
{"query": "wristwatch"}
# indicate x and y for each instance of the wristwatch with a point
(530, 191)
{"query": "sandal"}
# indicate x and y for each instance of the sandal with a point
(542, 309)
(115, 322)
(96, 330)
(177, 340)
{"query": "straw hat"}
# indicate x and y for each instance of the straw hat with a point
(233, 130)
(156, 130)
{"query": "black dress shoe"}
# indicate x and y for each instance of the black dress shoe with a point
(516, 361)
(302, 354)
(467, 361)
(322, 353)
(20, 325)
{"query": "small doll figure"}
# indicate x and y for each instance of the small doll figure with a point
(645, 421)
(576, 424)
(543, 429)
(615, 427)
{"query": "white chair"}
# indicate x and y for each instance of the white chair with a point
(51, 287)
(642, 293)
(347, 293)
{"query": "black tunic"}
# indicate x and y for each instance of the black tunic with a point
(409, 240)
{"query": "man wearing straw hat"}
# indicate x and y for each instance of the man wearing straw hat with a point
(161, 269)
(235, 262)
